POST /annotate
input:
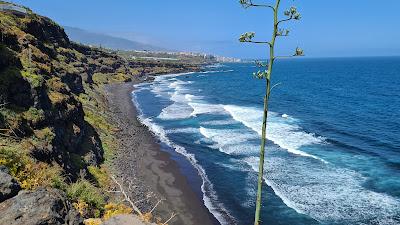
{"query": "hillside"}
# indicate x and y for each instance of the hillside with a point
(106, 41)
(57, 138)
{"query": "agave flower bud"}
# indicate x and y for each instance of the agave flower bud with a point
(287, 13)
(282, 32)
(245, 3)
(246, 37)
(261, 74)
(293, 10)
(264, 74)
(299, 52)
(257, 74)
(297, 16)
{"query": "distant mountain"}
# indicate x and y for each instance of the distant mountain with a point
(107, 41)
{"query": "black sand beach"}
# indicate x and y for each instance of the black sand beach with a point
(142, 160)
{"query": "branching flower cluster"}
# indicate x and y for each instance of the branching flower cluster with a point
(246, 3)
(299, 52)
(247, 37)
(282, 32)
(292, 13)
(261, 74)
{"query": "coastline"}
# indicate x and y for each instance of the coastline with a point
(141, 157)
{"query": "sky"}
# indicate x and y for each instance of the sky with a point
(340, 28)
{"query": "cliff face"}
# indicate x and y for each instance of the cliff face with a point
(42, 75)
(55, 127)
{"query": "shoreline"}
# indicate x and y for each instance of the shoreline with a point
(143, 158)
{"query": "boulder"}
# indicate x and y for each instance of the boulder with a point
(9, 187)
(43, 206)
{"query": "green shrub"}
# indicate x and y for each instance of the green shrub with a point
(97, 120)
(105, 78)
(13, 122)
(34, 79)
(100, 78)
(84, 191)
(34, 115)
(12, 159)
(46, 134)
(28, 172)
(59, 183)
(100, 175)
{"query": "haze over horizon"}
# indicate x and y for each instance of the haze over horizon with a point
(327, 29)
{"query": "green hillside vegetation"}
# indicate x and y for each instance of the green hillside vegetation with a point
(55, 130)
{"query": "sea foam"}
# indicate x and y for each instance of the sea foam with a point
(174, 90)
(184, 105)
(326, 193)
(230, 141)
(209, 195)
(288, 136)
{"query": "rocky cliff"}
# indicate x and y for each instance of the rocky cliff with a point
(42, 76)
(54, 127)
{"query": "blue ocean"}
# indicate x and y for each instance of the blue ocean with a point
(333, 150)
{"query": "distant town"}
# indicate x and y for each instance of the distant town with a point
(172, 56)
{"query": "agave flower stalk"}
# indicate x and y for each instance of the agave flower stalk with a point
(290, 14)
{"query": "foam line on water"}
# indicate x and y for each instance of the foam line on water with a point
(216, 71)
(230, 141)
(169, 87)
(326, 193)
(209, 195)
(288, 136)
(185, 105)
(166, 76)
(206, 108)
(179, 109)
(320, 190)
(176, 111)
(185, 130)
(218, 122)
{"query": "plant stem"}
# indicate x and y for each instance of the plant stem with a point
(265, 116)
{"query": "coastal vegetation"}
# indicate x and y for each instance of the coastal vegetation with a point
(56, 131)
(179, 57)
(266, 74)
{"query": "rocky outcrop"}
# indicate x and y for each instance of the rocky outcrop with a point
(42, 75)
(38, 207)
(13, 88)
(9, 187)
(158, 67)
(125, 220)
